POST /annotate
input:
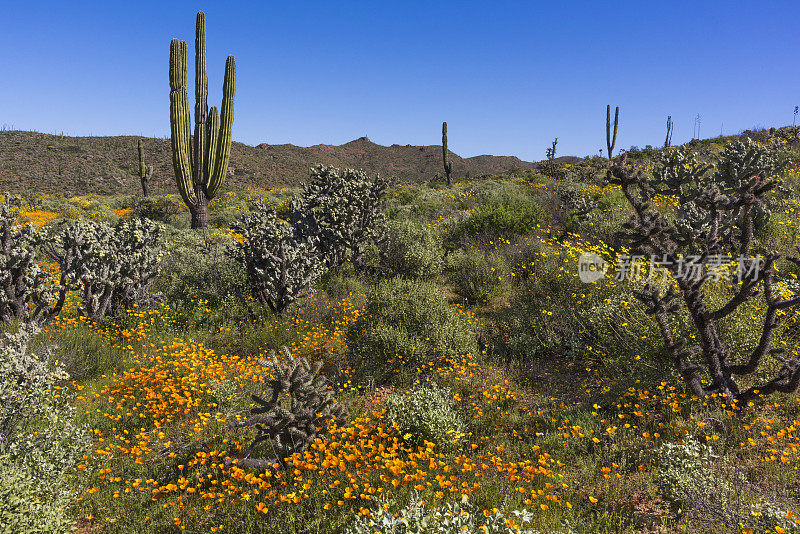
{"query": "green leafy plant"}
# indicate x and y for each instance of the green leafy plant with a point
(417, 517)
(427, 413)
(412, 249)
(478, 277)
(405, 325)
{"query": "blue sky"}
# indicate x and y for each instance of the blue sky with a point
(508, 77)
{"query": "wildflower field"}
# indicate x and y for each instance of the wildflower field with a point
(483, 387)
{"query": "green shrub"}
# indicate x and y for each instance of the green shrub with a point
(426, 413)
(194, 270)
(502, 209)
(23, 507)
(412, 249)
(478, 277)
(40, 445)
(161, 208)
(407, 324)
(692, 477)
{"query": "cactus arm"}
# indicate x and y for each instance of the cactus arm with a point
(212, 127)
(179, 119)
(201, 106)
(142, 169)
(225, 128)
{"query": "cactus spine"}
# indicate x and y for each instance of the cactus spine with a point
(200, 163)
(448, 165)
(670, 128)
(145, 172)
(610, 142)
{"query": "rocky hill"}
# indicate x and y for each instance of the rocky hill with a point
(108, 165)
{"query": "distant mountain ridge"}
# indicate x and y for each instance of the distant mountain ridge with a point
(31, 161)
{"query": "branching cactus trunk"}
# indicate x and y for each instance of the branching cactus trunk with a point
(145, 171)
(200, 163)
(712, 230)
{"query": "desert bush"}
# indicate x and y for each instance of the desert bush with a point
(478, 277)
(158, 208)
(501, 209)
(427, 413)
(40, 445)
(690, 478)
(280, 267)
(194, 269)
(389, 516)
(412, 249)
(406, 324)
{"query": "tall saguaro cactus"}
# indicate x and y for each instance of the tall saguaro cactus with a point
(610, 142)
(200, 163)
(145, 171)
(448, 165)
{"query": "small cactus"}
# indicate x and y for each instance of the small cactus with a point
(670, 127)
(291, 428)
(145, 172)
(448, 165)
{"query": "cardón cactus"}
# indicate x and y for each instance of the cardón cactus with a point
(448, 165)
(201, 162)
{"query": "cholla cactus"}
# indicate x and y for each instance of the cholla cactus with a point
(27, 293)
(115, 266)
(342, 209)
(312, 406)
(279, 267)
(717, 220)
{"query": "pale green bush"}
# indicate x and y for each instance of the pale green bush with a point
(405, 325)
(412, 249)
(426, 413)
(389, 517)
(478, 277)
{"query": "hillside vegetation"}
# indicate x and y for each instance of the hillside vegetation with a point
(432, 364)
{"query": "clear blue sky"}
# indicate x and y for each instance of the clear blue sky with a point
(506, 76)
